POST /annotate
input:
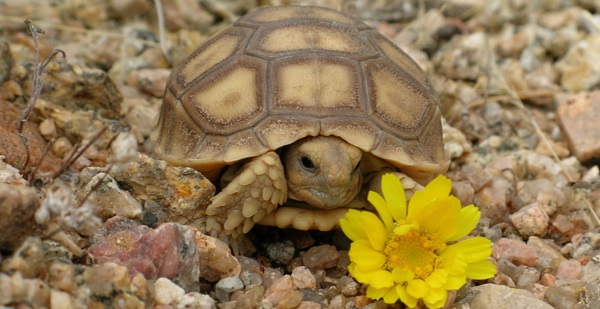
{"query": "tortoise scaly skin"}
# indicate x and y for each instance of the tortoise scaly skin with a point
(298, 105)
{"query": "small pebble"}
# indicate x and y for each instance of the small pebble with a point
(464, 191)
(216, 259)
(548, 254)
(506, 267)
(60, 299)
(282, 294)
(563, 224)
(320, 257)
(577, 118)
(249, 278)
(61, 147)
(530, 220)
(281, 252)
(195, 300)
(26, 260)
(291, 299)
(515, 251)
(548, 279)
(151, 81)
(303, 278)
(271, 275)
(528, 278)
(337, 302)
(492, 200)
(61, 276)
(569, 270)
(226, 286)
(349, 287)
(252, 296)
(565, 294)
(166, 292)
(318, 295)
(551, 199)
(47, 128)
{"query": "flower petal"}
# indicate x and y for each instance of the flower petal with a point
(417, 288)
(438, 188)
(481, 270)
(365, 225)
(380, 279)
(473, 249)
(404, 228)
(435, 298)
(374, 293)
(439, 217)
(407, 299)
(453, 261)
(351, 225)
(469, 217)
(365, 257)
(391, 297)
(402, 275)
(394, 195)
(437, 278)
(382, 208)
(455, 282)
(362, 277)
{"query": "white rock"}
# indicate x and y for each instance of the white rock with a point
(303, 278)
(531, 220)
(60, 299)
(166, 292)
(195, 300)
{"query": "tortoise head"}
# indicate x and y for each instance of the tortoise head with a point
(323, 171)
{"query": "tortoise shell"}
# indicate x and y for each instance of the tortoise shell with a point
(280, 74)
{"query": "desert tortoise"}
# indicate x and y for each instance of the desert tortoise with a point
(298, 103)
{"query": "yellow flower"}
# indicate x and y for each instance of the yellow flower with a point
(411, 252)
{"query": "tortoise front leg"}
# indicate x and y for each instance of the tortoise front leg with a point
(253, 193)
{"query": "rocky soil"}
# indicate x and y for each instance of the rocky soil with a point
(89, 219)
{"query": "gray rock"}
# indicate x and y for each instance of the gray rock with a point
(109, 199)
(547, 253)
(281, 252)
(565, 294)
(226, 286)
(249, 278)
(502, 297)
(182, 192)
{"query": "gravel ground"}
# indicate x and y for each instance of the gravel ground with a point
(87, 221)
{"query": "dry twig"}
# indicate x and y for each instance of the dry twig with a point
(38, 75)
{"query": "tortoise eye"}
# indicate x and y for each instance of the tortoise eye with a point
(308, 164)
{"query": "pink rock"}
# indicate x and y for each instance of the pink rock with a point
(515, 251)
(548, 279)
(321, 257)
(282, 294)
(569, 270)
(303, 278)
(168, 251)
(578, 119)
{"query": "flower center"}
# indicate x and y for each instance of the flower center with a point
(415, 251)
